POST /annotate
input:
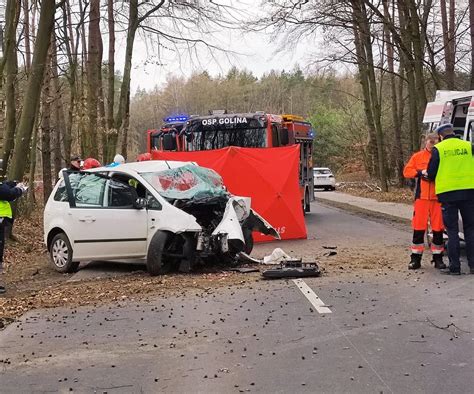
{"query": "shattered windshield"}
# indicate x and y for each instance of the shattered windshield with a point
(189, 182)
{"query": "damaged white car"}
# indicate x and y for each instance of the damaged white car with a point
(174, 214)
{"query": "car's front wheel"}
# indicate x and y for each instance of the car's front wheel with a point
(160, 258)
(60, 252)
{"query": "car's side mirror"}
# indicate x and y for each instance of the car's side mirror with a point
(140, 203)
(284, 137)
(169, 142)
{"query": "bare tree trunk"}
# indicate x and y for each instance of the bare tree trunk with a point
(447, 42)
(452, 44)
(362, 27)
(9, 41)
(46, 134)
(33, 161)
(33, 90)
(93, 70)
(408, 63)
(362, 65)
(125, 88)
(33, 22)
(82, 10)
(71, 52)
(102, 122)
(59, 120)
(11, 68)
(31, 178)
(111, 65)
(26, 21)
(396, 115)
(418, 60)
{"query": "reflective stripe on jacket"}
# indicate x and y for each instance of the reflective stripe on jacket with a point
(424, 189)
(456, 166)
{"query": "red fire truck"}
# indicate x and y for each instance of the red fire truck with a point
(247, 130)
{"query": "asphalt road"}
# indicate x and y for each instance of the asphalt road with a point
(387, 331)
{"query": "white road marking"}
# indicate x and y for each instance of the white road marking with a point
(311, 296)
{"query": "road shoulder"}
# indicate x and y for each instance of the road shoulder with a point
(394, 212)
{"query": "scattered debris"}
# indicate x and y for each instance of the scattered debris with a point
(293, 269)
(329, 254)
(277, 256)
(244, 270)
(244, 257)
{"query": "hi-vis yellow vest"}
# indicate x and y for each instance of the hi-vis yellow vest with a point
(5, 209)
(456, 166)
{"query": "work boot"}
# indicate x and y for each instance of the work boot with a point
(449, 271)
(415, 262)
(438, 261)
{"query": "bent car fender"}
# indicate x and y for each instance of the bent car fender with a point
(230, 224)
(171, 219)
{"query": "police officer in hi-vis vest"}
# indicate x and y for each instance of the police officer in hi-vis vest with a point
(9, 191)
(452, 168)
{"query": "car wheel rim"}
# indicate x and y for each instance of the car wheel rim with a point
(60, 253)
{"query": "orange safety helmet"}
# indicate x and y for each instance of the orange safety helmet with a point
(91, 163)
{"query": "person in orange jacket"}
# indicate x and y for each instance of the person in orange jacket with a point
(426, 206)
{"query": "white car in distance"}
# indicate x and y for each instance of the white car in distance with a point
(323, 178)
(173, 214)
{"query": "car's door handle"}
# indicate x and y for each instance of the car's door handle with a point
(88, 219)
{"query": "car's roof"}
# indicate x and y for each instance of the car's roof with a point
(321, 168)
(144, 166)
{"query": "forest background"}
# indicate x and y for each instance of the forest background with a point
(373, 67)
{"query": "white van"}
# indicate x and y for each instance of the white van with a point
(174, 214)
(454, 107)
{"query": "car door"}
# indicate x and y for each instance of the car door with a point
(105, 223)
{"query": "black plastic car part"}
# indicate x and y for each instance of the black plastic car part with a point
(293, 269)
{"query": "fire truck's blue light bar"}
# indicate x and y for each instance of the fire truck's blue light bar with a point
(176, 118)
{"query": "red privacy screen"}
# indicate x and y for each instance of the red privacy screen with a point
(268, 175)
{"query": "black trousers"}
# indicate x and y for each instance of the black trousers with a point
(451, 212)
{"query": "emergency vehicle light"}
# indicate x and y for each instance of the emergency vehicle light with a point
(176, 118)
(292, 118)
